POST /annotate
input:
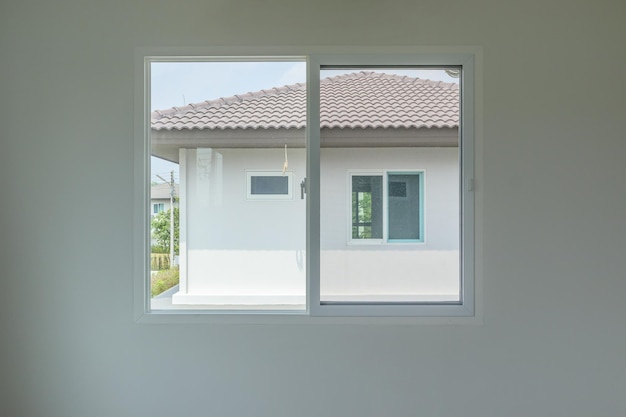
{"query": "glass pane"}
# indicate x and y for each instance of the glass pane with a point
(213, 123)
(269, 185)
(390, 208)
(404, 206)
(367, 207)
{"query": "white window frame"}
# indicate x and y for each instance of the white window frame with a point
(257, 173)
(464, 311)
(384, 173)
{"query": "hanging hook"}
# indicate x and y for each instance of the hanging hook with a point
(286, 163)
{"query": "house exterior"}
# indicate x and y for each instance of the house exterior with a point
(389, 192)
(160, 199)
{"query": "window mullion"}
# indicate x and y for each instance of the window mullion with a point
(313, 185)
(385, 196)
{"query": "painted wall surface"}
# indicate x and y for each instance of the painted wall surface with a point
(550, 232)
(396, 270)
(243, 250)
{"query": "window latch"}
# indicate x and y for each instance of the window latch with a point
(302, 189)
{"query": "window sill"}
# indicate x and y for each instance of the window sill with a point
(299, 318)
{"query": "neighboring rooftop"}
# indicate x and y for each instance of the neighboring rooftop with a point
(358, 100)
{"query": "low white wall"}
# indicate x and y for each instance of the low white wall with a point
(256, 248)
(390, 275)
(244, 277)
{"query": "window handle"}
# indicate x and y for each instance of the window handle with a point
(302, 189)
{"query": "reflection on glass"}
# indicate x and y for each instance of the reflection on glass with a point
(234, 133)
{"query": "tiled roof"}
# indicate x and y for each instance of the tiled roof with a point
(358, 100)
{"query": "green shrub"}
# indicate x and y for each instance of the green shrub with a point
(163, 280)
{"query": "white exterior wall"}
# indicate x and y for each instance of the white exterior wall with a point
(232, 246)
(396, 270)
(238, 250)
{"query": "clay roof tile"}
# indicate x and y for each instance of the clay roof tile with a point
(357, 100)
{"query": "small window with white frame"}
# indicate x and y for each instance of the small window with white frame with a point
(378, 149)
(269, 185)
(158, 208)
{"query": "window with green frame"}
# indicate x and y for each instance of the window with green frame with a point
(395, 196)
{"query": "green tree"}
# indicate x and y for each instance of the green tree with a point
(161, 231)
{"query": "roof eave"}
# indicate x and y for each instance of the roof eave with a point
(165, 143)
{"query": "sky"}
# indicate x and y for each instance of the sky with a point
(182, 83)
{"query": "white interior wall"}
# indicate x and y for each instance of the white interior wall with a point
(551, 197)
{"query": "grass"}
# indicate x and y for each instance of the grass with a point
(163, 280)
